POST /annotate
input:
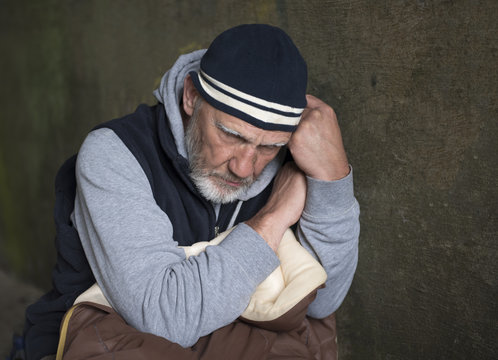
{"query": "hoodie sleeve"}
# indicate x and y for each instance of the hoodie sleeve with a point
(143, 273)
(329, 229)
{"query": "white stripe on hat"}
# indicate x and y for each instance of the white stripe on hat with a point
(253, 99)
(260, 114)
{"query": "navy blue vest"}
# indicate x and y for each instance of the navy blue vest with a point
(147, 135)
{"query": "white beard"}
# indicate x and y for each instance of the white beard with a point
(216, 194)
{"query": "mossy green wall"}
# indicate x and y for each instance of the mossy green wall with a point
(414, 84)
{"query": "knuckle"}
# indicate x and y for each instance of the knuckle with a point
(314, 113)
(331, 112)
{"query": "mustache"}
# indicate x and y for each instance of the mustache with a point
(233, 178)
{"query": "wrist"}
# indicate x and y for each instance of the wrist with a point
(331, 173)
(267, 227)
(328, 199)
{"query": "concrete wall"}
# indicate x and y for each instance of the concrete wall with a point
(414, 84)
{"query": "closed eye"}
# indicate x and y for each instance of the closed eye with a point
(272, 146)
(270, 149)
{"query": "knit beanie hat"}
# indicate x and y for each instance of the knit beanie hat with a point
(255, 73)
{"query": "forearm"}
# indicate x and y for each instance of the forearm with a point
(180, 299)
(329, 230)
(143, 273)
(283, 208)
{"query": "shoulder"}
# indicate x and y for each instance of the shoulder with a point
(102, 142)
(103, 155)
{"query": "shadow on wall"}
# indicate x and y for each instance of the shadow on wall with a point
(16, 295)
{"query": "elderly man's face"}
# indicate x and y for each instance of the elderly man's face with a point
(227, 154)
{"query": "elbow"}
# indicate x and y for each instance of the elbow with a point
(330, 298)
(185, 336)
(184, 340)
(320, 309)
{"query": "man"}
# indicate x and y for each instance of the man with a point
(204, 159)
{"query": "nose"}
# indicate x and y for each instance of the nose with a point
(243, 160)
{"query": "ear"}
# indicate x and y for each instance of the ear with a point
(190, 94)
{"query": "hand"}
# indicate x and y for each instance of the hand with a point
(284, 206)
(316, 145)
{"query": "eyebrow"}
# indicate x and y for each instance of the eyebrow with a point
(239, 135)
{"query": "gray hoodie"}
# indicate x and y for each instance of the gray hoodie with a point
(146, 277)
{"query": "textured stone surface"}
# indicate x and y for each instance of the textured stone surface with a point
(16, 295)
(414, 84)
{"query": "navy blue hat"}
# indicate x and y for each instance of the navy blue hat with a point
(255, 73)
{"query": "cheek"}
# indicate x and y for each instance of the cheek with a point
(217, 153)
(261, 163)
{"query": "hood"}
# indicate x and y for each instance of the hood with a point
(169, 94)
